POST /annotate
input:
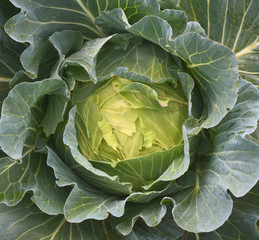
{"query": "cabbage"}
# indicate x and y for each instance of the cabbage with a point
(129, 120)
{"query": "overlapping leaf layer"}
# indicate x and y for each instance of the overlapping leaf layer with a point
(76, 162)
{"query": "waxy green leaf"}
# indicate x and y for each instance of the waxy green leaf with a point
(9, 51)
(25, 221)
(232, 165)
(32, 174)
(21, 117)
(202, 188)
(242, 223)
(202, 56)
(231, 23)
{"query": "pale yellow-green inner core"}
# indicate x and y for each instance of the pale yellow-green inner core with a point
(125, 119)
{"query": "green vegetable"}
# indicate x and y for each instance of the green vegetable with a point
(129, 120)
(125, 119)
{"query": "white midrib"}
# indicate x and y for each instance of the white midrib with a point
(58, 228)
(224, 26)
(248, 49)
(3, 79)
(90, 15)
(241, 26)
(7, 66)
(208, 14)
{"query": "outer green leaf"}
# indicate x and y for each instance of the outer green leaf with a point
(34, 22)
(141, 171)
(65, 42)
(4, 89)
(39, 58)
(116, 20)
(85, 168)
(166, 230)
(125, 56)
(112, 21)
(207, 206)
(84, 201)
(248, 63)
(33, 25)
(235, 165)
(176, 169)
(54, 114)
(215, 69)
(232, 164)
(195, 27)
(242, 119)
(233, 23)
(168, 4)
(213, 66)
(9, 56)
(167, 189)
(241, 224)
(76, 15)
(20, 77)
(32, 174)
(25, 221)
(242, 164)
(176, 19)
(202, 208)
(152, 213)
(19, 121)
(9, 51)
(7, 10)
(86, 60)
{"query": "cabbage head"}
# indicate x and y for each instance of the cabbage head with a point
(132, 120)
(125, 119)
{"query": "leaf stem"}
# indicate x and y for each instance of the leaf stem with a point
(197, 236)
(197, 171)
